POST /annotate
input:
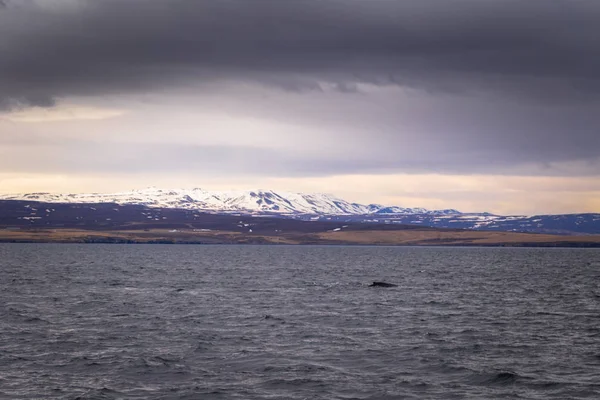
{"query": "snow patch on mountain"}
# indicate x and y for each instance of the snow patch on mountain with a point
(251, 201)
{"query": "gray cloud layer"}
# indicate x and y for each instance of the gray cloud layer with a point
(91, 47)
(534, 64)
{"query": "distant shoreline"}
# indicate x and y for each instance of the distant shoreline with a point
(405, 238)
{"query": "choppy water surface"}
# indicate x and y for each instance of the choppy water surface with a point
(268, 322)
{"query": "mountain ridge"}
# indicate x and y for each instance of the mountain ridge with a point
(251, 201)
(315, 207)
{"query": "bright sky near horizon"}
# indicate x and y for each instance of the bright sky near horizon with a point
(475, 105)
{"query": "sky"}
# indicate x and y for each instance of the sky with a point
(477, 105)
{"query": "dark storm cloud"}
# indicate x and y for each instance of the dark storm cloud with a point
(57, 48)
(524, 73)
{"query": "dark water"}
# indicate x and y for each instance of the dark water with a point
(255, 322)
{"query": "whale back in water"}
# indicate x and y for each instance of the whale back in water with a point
(382, 284)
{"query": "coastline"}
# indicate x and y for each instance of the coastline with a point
(436, 238)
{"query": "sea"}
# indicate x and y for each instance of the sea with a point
(298, 322)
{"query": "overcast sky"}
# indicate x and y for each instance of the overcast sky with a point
(479, 105)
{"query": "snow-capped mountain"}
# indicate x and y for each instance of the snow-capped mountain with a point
(252, 201)
(45, 209)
